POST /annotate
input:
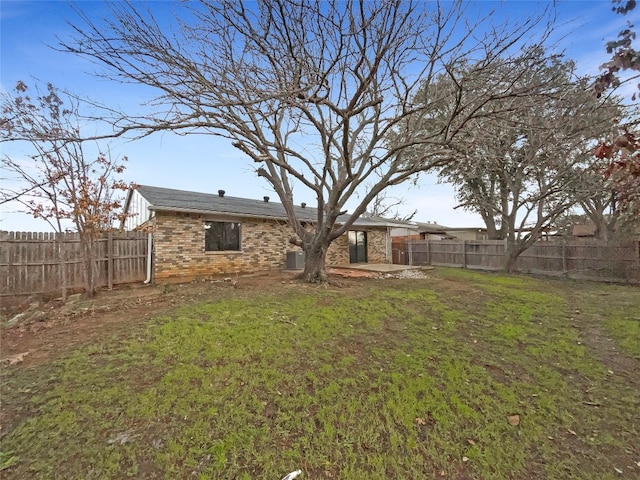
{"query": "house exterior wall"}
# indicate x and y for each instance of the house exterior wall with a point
(179, 247)
(446, 235)
(377, 248)
(405, 231)
(418, 236)
(469, 234)
(138, 211)
(338, 252)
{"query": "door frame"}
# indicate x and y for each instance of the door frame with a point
(357, 247)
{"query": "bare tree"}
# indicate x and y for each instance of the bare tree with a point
(309, 91)
(56, 182)
(598, 199)
(524, 167)
(597, 206)
(386, 206)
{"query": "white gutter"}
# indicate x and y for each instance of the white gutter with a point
(149, 246)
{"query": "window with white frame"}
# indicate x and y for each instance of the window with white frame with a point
(221, 236)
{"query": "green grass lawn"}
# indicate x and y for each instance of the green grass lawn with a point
(463, 376)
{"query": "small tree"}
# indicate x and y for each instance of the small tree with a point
(624, 56)
(622, 150)
(56, 182)
(309, 91)
(623, 171)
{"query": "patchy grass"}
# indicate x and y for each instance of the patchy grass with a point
(392, 379)
(617, 312)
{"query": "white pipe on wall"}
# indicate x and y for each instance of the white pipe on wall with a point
(149, 252)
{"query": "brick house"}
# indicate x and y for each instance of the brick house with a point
(202, 234)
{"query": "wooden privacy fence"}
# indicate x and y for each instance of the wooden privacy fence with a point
(573, 258)
(32, 263)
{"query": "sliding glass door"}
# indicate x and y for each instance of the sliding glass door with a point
(357, 247)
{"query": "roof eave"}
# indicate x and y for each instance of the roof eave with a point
(217, 212)
(210, 212)
(258, 217)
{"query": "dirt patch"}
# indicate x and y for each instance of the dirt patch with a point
(588, 320)
(46, 329)
(605, 349)
(37, 330)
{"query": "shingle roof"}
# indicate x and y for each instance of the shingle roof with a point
(183, 200)
(431, 227)
(435, 228)
(168, 199)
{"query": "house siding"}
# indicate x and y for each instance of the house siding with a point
(179, 247)
(137, 211)
(338, 252)
(377, 246)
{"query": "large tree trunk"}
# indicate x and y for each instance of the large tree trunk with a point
(490, 222)
(510, 258)
(315, 262)
(604, 227)
(513, 251)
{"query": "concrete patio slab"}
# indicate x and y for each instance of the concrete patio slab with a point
(379, 267)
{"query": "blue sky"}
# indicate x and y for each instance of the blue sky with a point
(206, 164)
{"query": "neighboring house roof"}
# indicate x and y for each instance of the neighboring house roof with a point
(436, 228)
(430, 226)
(171, 200)
(584, 230)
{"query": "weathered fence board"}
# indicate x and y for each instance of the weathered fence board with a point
(33, 263)
(574, 258)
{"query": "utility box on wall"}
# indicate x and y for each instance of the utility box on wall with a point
(295, 260)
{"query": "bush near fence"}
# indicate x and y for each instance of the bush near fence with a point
(32, 262)
(573, 258)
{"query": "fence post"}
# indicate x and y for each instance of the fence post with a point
(506, 249)
(428, 252)
(464, 254)
(61, 248)
(410, 249)
(564, 257)
(110, 260)
(637, 261)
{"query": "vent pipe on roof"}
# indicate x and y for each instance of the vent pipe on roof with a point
(303, 205)
(221, 193)
(266, 199)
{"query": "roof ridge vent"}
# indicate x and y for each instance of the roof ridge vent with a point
(221, 193)
(266, 199)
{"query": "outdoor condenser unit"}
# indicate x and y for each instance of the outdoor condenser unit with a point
(295, 260)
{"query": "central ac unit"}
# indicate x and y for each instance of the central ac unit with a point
(295, 260)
